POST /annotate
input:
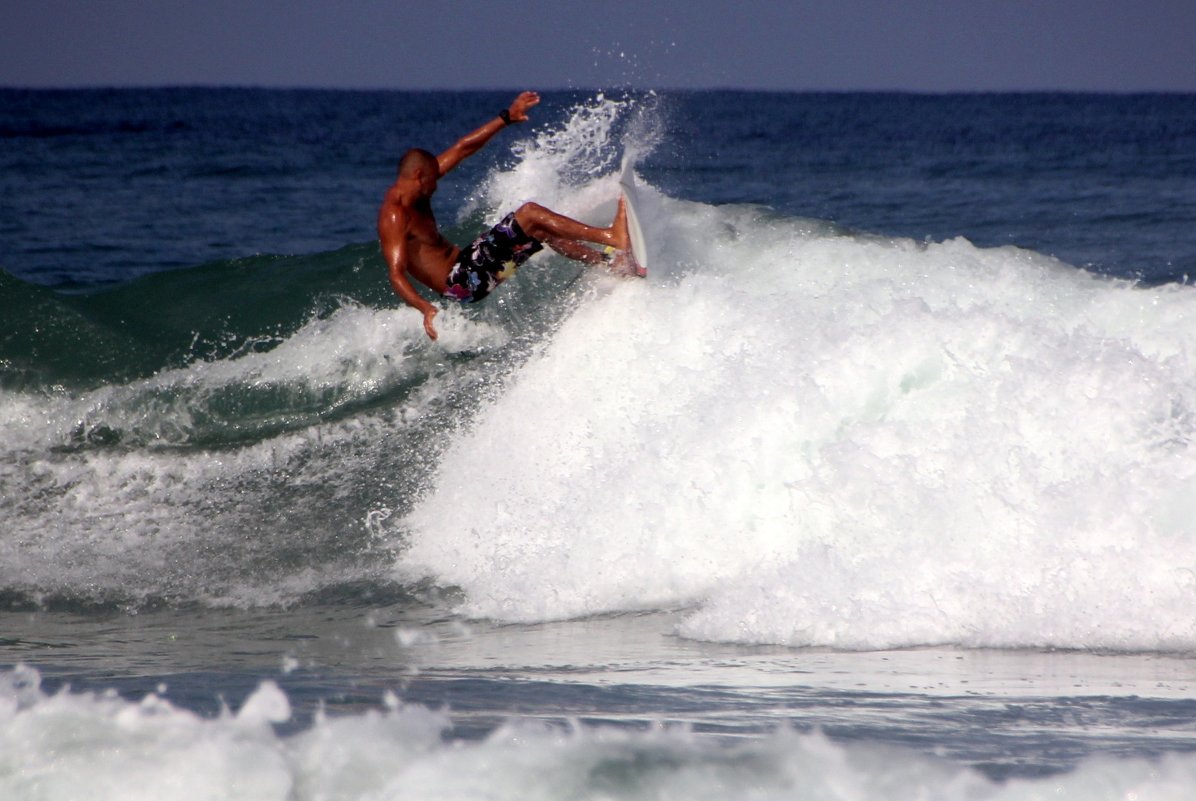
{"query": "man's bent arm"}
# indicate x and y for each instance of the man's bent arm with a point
(471, 143)
(403, 288)
(396, 261)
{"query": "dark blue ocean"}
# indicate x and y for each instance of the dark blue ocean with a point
(104, 186)
(882, 484)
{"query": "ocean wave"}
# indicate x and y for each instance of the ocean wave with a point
(800, 434)
(240, 481)
(819, 438)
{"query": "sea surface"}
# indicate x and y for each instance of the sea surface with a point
(882, 485)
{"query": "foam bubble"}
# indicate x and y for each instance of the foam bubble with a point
(268, 704)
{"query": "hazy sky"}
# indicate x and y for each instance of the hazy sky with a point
(920, 45)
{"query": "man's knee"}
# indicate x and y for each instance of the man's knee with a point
(530, 210)
(530, 217)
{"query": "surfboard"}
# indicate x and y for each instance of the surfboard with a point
(639, 246)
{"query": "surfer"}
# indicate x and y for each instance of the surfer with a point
(414, 247)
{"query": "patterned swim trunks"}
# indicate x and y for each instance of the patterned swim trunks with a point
(491, 259)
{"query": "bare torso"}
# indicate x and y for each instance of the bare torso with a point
(429, 255)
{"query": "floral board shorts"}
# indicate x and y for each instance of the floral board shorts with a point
(491, 259)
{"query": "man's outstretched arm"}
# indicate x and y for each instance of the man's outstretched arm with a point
(471, 143)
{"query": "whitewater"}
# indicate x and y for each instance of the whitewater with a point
(810, 512)
(819, 438)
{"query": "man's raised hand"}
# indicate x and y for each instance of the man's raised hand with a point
(519, 107)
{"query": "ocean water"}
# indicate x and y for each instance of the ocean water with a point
(881, 486)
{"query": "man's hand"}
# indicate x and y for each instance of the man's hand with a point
(430, 329)
(471, 143)
(518, 109)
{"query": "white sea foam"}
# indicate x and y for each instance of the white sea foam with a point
(824, 439)
(100, 746)
(157, 519)
(351, 355)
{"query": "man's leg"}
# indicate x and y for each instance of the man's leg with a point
(573, 249)
(620, 262)
(546, 225)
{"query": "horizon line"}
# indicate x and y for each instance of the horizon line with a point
(249, 86)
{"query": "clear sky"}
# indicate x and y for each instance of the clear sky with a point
(917, 45)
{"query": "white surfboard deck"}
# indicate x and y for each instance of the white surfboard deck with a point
(639, 246)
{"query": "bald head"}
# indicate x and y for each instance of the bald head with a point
(417, 159)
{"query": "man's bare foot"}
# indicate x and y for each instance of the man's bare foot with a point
(620, 239)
